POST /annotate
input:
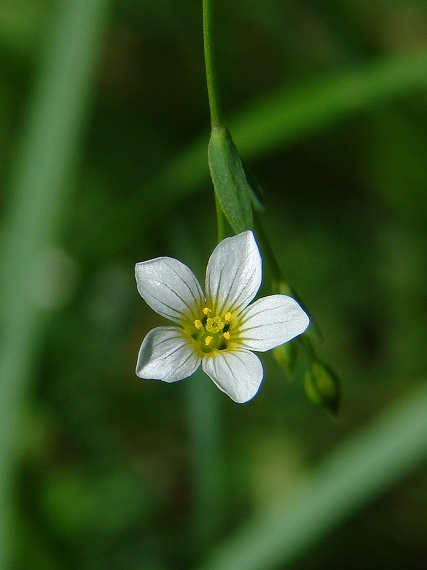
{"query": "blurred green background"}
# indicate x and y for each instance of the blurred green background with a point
(104, 125)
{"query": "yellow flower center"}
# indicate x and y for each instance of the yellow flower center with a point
(212, 332)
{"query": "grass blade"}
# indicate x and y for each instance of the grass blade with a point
(36, 212)
(363, 467)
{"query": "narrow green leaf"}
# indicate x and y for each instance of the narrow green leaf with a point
(229, 180)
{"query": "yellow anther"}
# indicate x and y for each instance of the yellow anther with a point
(209, 332)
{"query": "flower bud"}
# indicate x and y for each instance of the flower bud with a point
(322, 387)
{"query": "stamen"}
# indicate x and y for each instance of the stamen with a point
(212, 332)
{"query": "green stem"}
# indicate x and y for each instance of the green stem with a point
(278, 281)
(217, 117)
(308, 347)
(220, 220)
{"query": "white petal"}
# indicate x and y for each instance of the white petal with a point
(238, 373)
(271, 321)
(166, 354)
(234, 273)
(170, 288)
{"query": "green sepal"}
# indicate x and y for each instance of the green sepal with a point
(322, 387)
(229, 179)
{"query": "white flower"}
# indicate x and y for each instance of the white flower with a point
(219, 329)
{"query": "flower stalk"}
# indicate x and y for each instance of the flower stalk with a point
(217, 117)
(220, 219)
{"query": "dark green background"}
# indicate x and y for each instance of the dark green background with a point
(110, 472)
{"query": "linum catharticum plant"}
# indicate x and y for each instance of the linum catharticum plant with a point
(221, 328)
